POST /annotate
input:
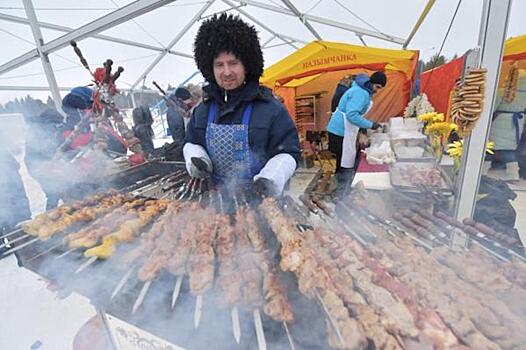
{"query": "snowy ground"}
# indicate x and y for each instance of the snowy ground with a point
(31, 314)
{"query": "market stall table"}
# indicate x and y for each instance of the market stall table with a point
(373, 176)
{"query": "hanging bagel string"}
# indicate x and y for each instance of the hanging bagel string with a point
(468, 101)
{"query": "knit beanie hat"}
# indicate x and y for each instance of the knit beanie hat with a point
(378, 78)
(182, 93)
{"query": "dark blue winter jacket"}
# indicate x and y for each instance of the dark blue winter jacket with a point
(271, 129)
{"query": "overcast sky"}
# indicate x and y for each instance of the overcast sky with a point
(394, 17)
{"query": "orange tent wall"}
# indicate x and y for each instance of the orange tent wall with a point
(389, 102)
(288, 95)
(438, 83)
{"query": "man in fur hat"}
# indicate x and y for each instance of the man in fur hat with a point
(240, 132)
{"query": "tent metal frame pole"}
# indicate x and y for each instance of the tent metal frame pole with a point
(21, 20)
(47, 88)
(175, 40)
(326, 21)
(302, 18)
(284, 38)
(110, 20)
(419, 22)
(361, 39)
(268, 41)
(492, 35)
(46, 64)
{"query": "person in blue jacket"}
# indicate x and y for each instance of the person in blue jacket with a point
(349, 118)
(240, 132)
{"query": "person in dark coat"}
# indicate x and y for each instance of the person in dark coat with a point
(343, 85)
(240, 132)
(142, 128)
(44, 136)
(178, 111)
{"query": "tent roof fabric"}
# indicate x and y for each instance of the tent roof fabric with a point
(323, 56)
(515, 48)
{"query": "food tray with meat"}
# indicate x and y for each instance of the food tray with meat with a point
(414, 176)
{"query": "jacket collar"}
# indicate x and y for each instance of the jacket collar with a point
(250, 91)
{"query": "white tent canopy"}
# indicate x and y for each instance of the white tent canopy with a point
(153, 39)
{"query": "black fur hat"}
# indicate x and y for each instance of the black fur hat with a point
(228, 33)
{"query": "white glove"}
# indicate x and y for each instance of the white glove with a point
(198, 163)
(278, 170)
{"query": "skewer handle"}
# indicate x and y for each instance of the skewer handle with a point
(260, 334)
(236, 328)
(121, 283)
(107, 67)
(117, 74)
(289, 336)
(177, 289)
(15, 249)
(79, 55)
(198, 310)
(142, 295)
(11, 233)
(86, 264)
(18, 239)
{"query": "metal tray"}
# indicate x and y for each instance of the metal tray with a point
(397, 181)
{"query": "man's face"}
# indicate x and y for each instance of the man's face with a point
(377, 87)
(229, 71)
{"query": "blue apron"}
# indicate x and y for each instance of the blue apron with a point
(516, 116)
(228, 148)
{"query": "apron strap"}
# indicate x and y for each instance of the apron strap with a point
(212, 113)
(247, 113)
(255, 166)
(516, 117)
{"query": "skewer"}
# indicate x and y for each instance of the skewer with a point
(12, 250)
(194, 188)
(14, 240)
(188, 188)
(372, 217)
(236, 328)
(44, 252)
(122, 282)
(86, 264)
(67, 252)
(355, 215)
(497, 255)
(497, 244)
(179, 191)
(260, 334)
(198, 310)
(141, 296)
(177, 289)
(353, 234)
(418, 240)
(289, 336)
(329, 316)
(200, 191)
(11, 233)
(183, 190)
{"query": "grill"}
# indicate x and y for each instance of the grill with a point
(360, 274)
